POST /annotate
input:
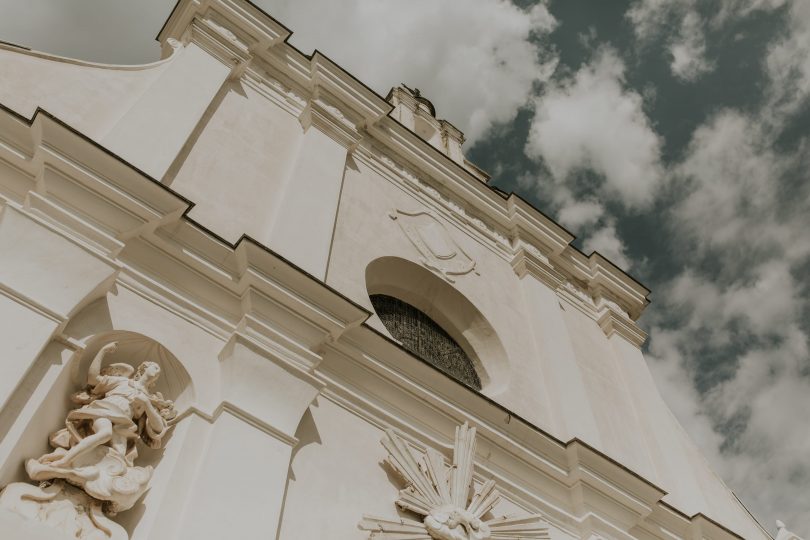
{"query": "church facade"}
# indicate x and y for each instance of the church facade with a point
(245, 296)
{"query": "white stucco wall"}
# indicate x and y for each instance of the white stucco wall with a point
(365, 232)
(89, 97)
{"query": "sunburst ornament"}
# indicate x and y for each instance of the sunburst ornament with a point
(443, 496)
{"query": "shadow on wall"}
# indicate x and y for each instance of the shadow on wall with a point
(451, 310)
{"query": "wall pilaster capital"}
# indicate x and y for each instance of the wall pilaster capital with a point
(269, 388)
(525, 262)
(331, 120)
(612, 322)
(223, 40)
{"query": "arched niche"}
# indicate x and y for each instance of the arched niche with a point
(133, 349)
(174, 383)
(449, 308)
(61, 370)
(140, 323)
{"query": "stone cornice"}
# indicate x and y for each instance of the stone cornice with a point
(390, 388)
(118, 213)
(612, 322)
(246, 28)
(329, 119)
(221, 40)
(527, 263)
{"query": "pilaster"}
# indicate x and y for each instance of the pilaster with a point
(153, 131)
(304, 215)
(44, 279)
(243, 474)
(567, 397)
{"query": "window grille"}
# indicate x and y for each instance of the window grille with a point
(420, 335)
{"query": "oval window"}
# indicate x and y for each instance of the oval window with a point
(421, 336)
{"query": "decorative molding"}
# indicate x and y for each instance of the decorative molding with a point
(331, 120)
(529, 261)
(783, 533)
(441, 496)
(213, 33)
(439, 252)
(413, 183)
(613, 322)
(242, 415)
(579, 293)
(510, 250)
(492, 211)
(284, 95)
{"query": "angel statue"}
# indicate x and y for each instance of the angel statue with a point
(96, 450)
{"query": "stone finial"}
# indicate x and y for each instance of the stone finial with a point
(413, 110)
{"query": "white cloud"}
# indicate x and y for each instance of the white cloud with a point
(769, 303)
(788, 64)
(648, 16)
(580, 214)
(673, 380)
(688, 50)
(686, 45)
(745, 211)
(606, 241)
(735, 181)
(727, 168)
(763, 305)
(591, 121)
(746, 425)
(472, 58)
(685, 28)
(766, 461)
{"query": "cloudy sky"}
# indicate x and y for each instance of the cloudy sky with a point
(670, 135)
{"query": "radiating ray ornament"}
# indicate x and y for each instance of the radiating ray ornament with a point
(444, 498)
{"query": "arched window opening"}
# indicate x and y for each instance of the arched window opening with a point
(422, 336)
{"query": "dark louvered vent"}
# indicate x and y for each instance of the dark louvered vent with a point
(421, 336)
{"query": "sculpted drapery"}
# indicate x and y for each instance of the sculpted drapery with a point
(96, 450)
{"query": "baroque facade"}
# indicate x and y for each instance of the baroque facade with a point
(245, 296)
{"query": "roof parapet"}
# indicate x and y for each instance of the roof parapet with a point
(403, 126)
(417, 113)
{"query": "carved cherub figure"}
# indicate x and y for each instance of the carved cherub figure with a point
(450, 523)
(443, 497)
(96, 449)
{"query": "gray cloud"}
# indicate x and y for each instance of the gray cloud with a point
(115, 32)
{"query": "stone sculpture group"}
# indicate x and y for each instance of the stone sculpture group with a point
(91, 472)
(445, 499)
